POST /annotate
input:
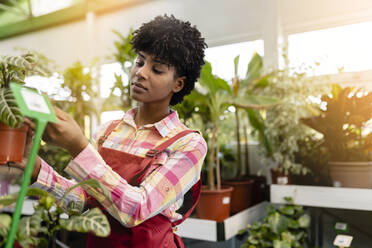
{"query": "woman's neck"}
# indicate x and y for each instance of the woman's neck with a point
(147, 114)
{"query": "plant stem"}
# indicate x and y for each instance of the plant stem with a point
(247, 165)
(218, 170)
(238, 160)
(211, 184)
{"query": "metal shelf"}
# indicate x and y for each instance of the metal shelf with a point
(325, 197)
(210, 230)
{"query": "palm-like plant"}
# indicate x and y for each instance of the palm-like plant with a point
(216, 94)
(241, 88)
(14, 69)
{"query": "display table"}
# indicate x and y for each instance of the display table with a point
(210, 230)
(323, 197)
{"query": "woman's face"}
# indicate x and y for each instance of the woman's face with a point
(153, 81)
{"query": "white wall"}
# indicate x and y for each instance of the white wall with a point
(220, 21)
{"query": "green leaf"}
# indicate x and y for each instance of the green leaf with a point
(236, 65)
(253, 102)
(5, 221)
(304, 221)
(92, 221)
(288, 210)
(254, 67)
(92, 183)
(281, 244)
(9, 111)
(30, 226)
(7, 200)
(278, 223)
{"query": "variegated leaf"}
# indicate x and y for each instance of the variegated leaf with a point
(92, 221)
(9, 111)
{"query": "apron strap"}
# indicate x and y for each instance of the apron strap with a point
(108, 131)
(153, 153)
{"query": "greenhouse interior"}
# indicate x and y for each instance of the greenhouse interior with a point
(186, 123)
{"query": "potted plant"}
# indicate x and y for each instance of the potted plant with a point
(40, 229)
(216, 95)
(243, 183)
(349, 146)
(12, 132)
(283, 227)
(280, 126)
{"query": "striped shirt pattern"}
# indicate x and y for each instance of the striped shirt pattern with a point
(162, 190)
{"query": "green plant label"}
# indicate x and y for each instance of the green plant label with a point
(340, 226)
(32, 104)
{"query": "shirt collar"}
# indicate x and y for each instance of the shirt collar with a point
(164, 126)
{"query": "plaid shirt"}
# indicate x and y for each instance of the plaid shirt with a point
(163, 189)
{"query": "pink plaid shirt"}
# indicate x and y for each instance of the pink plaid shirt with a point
(163, 189)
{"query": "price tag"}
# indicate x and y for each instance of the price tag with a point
(226, 200)
(35, 101)
(343, 240)
(283, 180)
(32, 104)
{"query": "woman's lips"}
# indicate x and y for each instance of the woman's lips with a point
(138, 88)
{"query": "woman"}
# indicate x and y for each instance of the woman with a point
(148, 160)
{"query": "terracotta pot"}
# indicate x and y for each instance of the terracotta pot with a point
(351, 174)
(12, 143)
(241, 196)
(214, 204)
(279, 177)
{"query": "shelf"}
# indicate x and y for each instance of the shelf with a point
(325, 197)
(210, 230)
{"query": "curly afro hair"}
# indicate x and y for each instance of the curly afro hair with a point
(175, 42)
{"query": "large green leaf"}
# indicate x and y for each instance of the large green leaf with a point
(254, 68)
(212, 83)
(92, 221)
(253, 102)
(278, 223)
(7, 200)
(258, 124)
(9, 111)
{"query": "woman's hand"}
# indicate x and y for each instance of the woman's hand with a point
(65, 134)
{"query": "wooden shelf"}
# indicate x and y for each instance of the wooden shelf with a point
(210, 230)
(325, 197)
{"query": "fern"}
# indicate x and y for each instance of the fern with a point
(9, 111)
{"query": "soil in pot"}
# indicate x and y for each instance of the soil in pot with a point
(214, 204)
(12, 143)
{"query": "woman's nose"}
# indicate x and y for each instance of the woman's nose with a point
(142, 72)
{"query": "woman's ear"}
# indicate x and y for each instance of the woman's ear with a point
(180, 83)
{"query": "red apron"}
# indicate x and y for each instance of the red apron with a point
(155, 232)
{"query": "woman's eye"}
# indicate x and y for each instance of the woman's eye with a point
(157, 71)
(139, 63)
